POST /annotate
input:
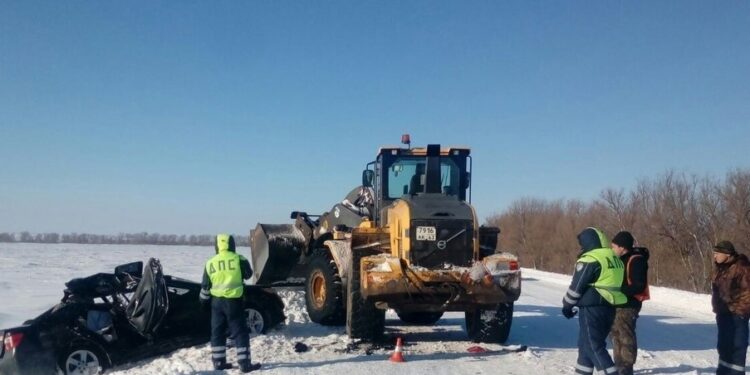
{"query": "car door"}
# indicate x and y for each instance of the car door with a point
(150, 301)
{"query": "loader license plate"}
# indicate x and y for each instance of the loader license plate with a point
(426, 234)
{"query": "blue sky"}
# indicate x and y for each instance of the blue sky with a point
(199, 117)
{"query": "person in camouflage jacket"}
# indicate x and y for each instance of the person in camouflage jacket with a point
(635, 287)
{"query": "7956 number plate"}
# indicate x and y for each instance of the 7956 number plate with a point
(426, 234)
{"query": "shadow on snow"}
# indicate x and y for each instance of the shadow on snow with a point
(545, 327)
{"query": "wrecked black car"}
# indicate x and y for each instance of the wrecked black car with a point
(109, 319)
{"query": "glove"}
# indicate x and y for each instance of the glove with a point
(568, 311)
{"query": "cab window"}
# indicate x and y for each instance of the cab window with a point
(406, 176)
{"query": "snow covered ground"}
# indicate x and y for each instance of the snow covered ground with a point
(676, 330)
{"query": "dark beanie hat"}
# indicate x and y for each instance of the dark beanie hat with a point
(624, 239)
(725, 247)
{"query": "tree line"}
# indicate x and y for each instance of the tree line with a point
(142, 238)
(678, 217)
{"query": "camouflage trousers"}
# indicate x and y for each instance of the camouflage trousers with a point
(624, 341)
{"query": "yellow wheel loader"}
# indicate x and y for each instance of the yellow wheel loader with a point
(407, 239)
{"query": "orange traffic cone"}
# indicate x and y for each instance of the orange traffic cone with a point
(397, 354)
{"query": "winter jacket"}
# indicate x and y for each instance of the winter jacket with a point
(581, 291)
(731, 287)
(636, 275)
(232, 285)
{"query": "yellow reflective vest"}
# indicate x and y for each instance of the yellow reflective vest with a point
(610, 278)
(226, 274)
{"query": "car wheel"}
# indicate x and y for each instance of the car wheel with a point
(256, 320)
(83, 360)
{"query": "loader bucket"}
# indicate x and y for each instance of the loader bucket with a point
(275, 250)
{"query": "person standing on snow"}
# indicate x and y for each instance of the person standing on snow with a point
(595, 290)
(730, 298)
(635, 287)
(223, 288)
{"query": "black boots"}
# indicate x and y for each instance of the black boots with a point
(246, 366)
(222, 365)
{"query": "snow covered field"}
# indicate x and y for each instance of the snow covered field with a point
(676, 330)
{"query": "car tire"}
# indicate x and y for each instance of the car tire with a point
(257, 319)
(83, 359)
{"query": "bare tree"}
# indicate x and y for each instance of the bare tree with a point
(679, 217)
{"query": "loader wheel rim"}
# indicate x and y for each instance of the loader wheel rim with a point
(318, 286)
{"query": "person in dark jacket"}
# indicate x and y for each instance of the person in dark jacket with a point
(362, 203)
(595, 290)
(730, 298)
(223, 288)
(635, 287)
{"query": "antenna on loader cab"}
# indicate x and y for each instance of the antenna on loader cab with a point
(405, 139)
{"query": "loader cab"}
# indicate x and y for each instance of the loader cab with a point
(407, 172)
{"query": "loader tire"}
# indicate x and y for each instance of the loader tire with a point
(490, 326)
(421, 318)
(363, 320)
(323, 290)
